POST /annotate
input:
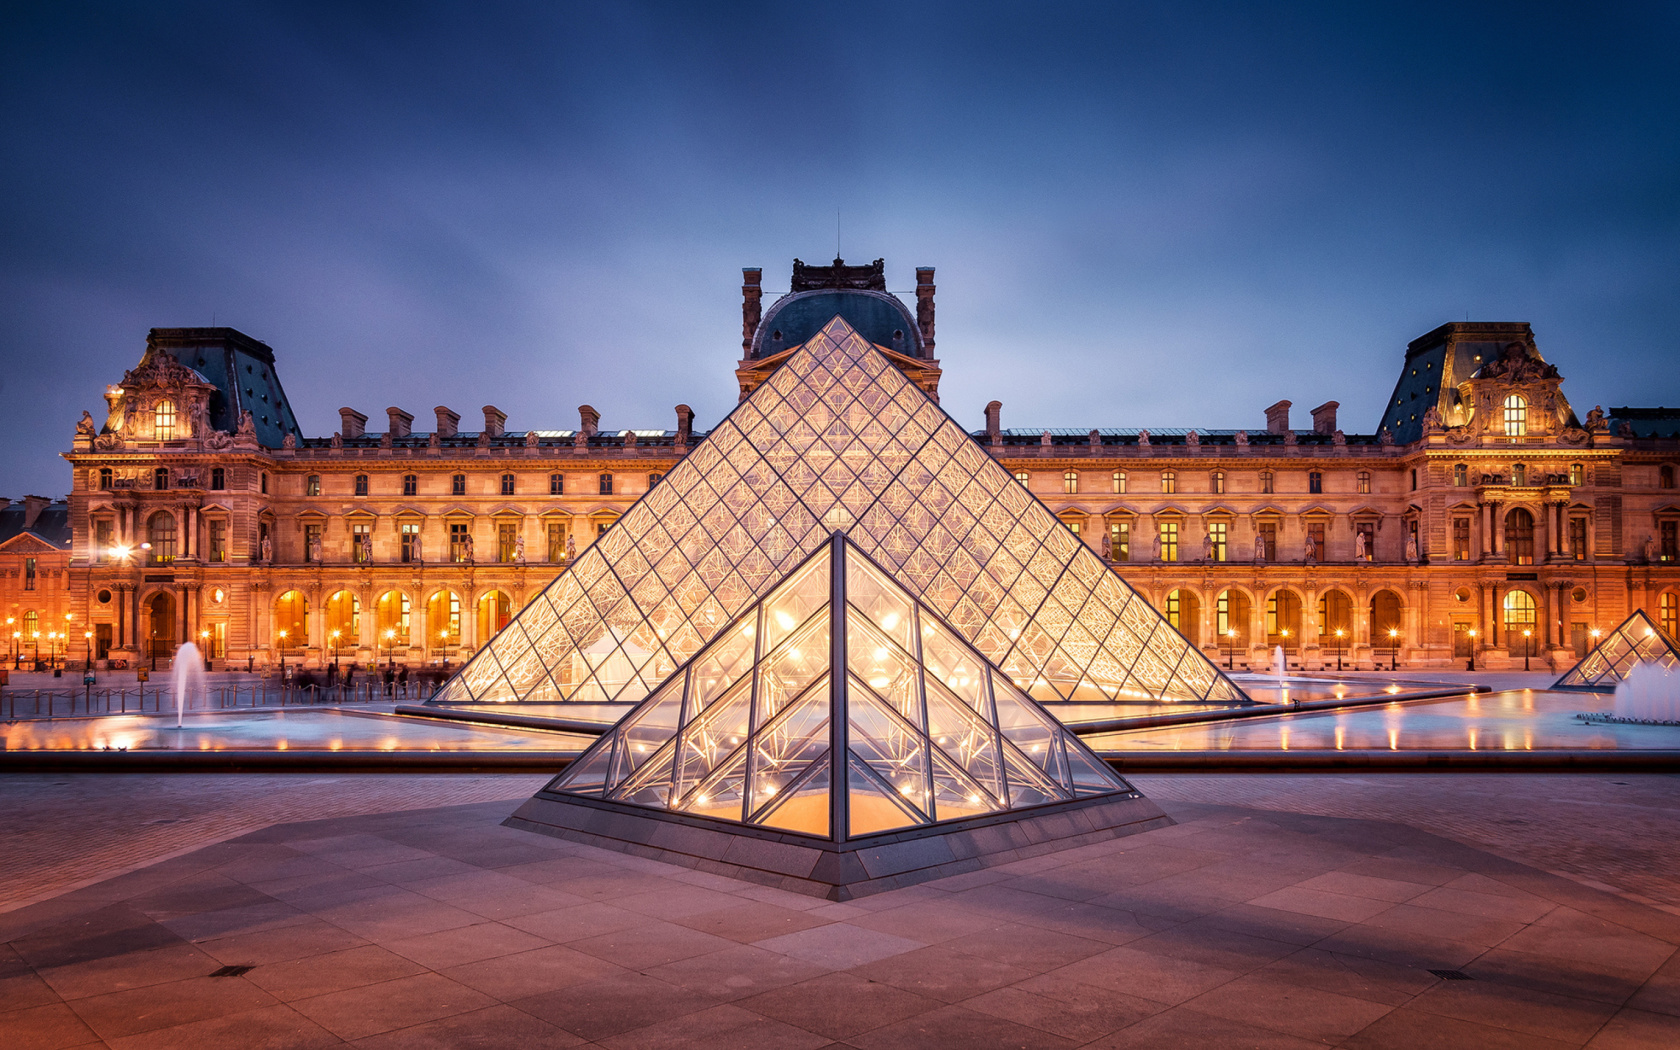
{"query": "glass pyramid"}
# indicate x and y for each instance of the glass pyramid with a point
(1636, 641)
(838, 660)
(838, 439)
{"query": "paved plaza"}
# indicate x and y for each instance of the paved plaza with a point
(1279, 912)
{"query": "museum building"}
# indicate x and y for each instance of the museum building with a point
(1480, 516)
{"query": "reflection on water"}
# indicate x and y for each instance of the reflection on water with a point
(1512, 720)
(317, 730)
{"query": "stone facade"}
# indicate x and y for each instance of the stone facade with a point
(41, 625)
(1466, 511)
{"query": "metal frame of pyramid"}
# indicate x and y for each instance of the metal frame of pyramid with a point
(1636, 640)
(839, 738)
(838, 438)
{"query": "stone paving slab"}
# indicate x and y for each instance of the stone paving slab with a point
(1237, 927)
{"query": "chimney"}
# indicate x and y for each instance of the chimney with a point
(1277, 418)
(32, 508)
(1324, 417)
(448, 422)
(685, 424)
(351, 423)
(994, 430)
(589, 421)
(924, 307)
(402, 424)
(493, 420)
(751, 296)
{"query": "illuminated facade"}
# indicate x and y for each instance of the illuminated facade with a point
(1482, 507)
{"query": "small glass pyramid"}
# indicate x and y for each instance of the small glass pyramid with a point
(838, 439)
(1635, 641)
(838, 660)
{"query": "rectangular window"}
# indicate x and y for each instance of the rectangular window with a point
(1368, 529)
(1070, 482)
(1118, 481)
(1315, 481)
(1021, 476)
(29, 574)
(507, 484)
(458, 485)
(218, 540)
(1577, 474)
(1169, 482)
(311, 538)
(1461, 474)
(263, 476)
(1461, 539)
(312, 487)
(361, 484)
(1217, 482)
(163, 420)
(101, 542)
(160, 478)
(361, 543)
(1120, 540)
(1578, 538)
(1316, 531)
(557, 484)
(506, 534)
(606, 485)
(556, 542)
(654, 479)
(458, 540)
(105, 476)
(1268, 481)
(410, 538)
(1669, 545)
(1268, 537)
(1367, 487)
(218, 478)
(1218, 532)
(411, 484)
(1365, 481)
(1169, 540)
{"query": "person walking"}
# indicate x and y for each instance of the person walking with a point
(402, 681)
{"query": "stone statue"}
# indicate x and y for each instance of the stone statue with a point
(1193, 440)
(484, 439)
(1360, 552)
(1157, 544)
(571, 549)
(519, 550)
(338, 439)
(1107, 548)
(1044, 439)
(267, 549)
(530, 439)
(1310, 553)
(414, 552)
(1431, 419)
(85, 426)
(1242, 439)
(289, 441)
(1259, 549)
(1412, 548)
(315, 549)
(466, 548)
(200, 414)
(367, 549)
(1289, 437)
(1207, 546)
(1385, 437)
(1595, 421)
(1625, 430)
(433, 442)
(1338, 438)
(1650, 550)
(1143, 439)
(247, 427)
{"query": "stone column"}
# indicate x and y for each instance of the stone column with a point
(1499, 530)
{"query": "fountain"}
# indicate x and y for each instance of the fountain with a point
(188, 677)
(1280, 666)
(1648, 693)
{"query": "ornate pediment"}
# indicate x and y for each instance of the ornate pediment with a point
(159, 399)
(27, 543)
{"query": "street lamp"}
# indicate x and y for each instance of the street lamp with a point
(1393, 648)
(1339, 633)
(1528, 646)
(204, 647)
(1230, 648)
(37, 656)
(390, 647)
(1472, 666)
(334, 636)
(282, 636)
(11, 626)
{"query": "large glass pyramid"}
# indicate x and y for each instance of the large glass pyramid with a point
(838, 677)
(1635, 641)
(838, 439)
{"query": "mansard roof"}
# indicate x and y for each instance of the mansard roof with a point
(50, 525)
(242, 371)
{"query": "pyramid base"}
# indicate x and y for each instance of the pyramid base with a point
(837, 871)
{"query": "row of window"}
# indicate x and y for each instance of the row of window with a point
(1118, 481)
(458, 484)
(1520, 474)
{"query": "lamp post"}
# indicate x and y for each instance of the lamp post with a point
(1472, 666)
(282, 636)
(1528, 646)
(390, 648)
(36, 658)
(1339, 633)
(1393, 648)
(11, 627)
(1230, 649)
(151, 648)
(204, 648)
(58, 672)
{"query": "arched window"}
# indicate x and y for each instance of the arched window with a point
(1519, 537)
(163, 421)
(31, 623)
(1184, 612)
(1335, 613)
(1516, 415)
(1665, 476)
(344, 621)
(1519, 618)
(1461, 474)
(1385, 619)
(1364, 480)
(1283, 620)
(1169, 482)
(160, 533)
(393, 620)
(654, 479)
(1021, 476)
(1070, 482)
(494, 611)
(1232, 618)
(1216, 482)
(1668, 614)
(1268, 481)
(1118, 480)
(291, 621)
(443, 620)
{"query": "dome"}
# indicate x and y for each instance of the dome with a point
(796, 318)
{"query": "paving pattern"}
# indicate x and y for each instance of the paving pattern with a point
(437, 927)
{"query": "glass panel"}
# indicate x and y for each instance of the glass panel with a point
(887, 669)
(588, 775)
(805, 805)
(885, 605)
(873, 807)
(718, 732)
(793, 666)
(720, 795)
(964, 738)
(953, 664)
(955, 795)
(1089, 774)
(1034, 733)
(890, 745)
(783, 749)
(722, 665)
(653, 724)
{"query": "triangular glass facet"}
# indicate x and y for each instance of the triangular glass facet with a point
(1636, 640)
(837, 439)
(749, 729)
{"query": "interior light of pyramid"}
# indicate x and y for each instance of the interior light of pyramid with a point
(747, 731)
(1635, 641)
(838, 438)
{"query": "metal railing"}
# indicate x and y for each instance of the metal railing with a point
(33, 704)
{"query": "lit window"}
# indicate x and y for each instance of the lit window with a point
(29, 574)
(1516, 415)
(1021, 476)
(1364, 480)
(556, 486)
(361, 484)
(160, 533)
(1119, 481)
(1519, 474)
(410, 538)
(1461, 474)
(458, 533)
(1217, 483)
(1668, 614)
(1268, 481)
(1169, 482)
(507, 536)
(507, 484)
(458, 485)
(1218, 531)
(1461, 539)
(1070, 482)
(361, 540)
(1577, 474)
(1120, 540)
(606, 485)
(1315, 481)
(163, 421)
(556, 542)
(311, 539)
(312, 485)
(411, 485)
(218, 540)
(1169, 540)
